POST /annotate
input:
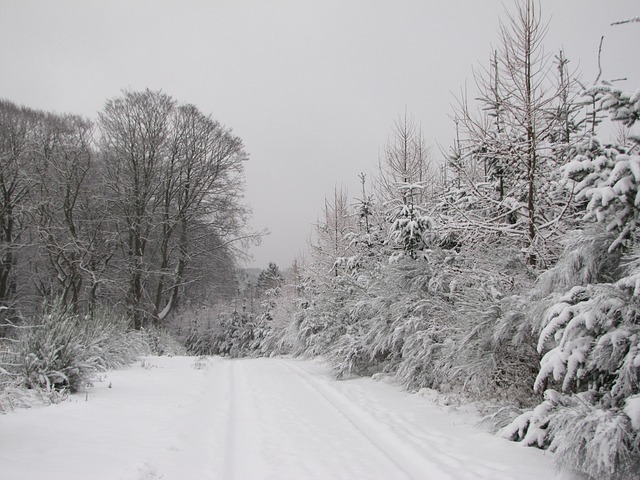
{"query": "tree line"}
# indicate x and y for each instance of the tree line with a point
(140, 211)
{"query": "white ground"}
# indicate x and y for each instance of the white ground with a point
(182, 418)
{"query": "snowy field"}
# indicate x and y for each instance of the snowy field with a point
(185, 418)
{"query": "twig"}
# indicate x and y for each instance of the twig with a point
(599, 63)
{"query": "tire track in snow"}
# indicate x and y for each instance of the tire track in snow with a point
(230, 446)
(401, 453)
(244, 440)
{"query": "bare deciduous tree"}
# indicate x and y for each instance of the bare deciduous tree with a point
(16, 152)
(62, 166)
(135, 129)
(175, 177)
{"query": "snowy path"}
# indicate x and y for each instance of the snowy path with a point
(252, 419)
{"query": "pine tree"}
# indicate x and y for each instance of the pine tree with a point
(411, 229)
(590, 334)
(270, 278)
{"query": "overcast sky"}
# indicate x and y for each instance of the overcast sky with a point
(312, 86)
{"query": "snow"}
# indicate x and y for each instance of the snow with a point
(210, 418)
(632, 409)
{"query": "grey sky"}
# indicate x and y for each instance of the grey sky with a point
(312, 87)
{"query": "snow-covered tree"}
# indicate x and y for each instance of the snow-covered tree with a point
(411, 230)
(509, 151)
(406, 160)
(270, 278)
(607, 177)
(590, 334)
(594, 326)
(331, 236)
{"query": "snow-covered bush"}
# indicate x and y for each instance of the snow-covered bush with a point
(206, 334)
(318, 327)
(322, 321)
(594, 333)
(490, 357)
(64, 351)
(586, 435)
(585, 260)
(599, 441)
(590, 368)
(469, 338)
(350, 355)
(227, 330)
(162, 341)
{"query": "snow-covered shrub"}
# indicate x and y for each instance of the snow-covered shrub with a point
(589, 339)
(232, 334)
(590, 334)
(442, 322)
(585, 260)
(13, 396)
(352, 322)
(317, 330)
(595, 440)
(320, 323)
(268, 340)
(54, 355)
(594, 334)
(65, 350)
(475, 340)
(200, 336)
(271, 325)
(162, 341)
(208, 338)
(492, 357)
(285, 303)
(197, 342)
(420, 358)
(116, 344)
(586, 435)
(349, 355)
(227, 330)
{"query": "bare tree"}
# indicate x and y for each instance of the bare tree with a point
(63, 164)
(208, 189)
(135, 130)
(331, 242)
(176, 178)
(17, 125)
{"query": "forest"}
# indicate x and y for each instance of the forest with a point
(509, 275)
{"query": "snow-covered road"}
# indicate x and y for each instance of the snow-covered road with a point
(184, 418)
